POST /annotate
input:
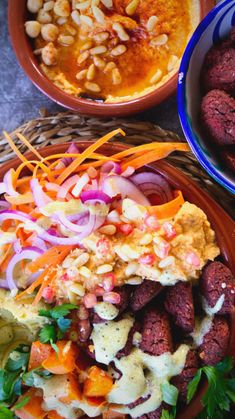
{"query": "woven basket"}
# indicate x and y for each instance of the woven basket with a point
(69, 126)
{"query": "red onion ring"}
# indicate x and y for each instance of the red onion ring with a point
(2, 188)
(66, 186)
(151, 183)
(111, 167)
(114, 185)
(27, 253)
(73, 149)
(4, 205)
(7, 180)
(95, 195)
(77, 228)
(15, 215)
(41, 199)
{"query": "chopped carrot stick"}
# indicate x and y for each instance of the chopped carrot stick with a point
(47, 280)
(5, 258)
(51, 257)
(34, 285)
(15, 149)
(30, 147)
(169, 209)
(86, 154)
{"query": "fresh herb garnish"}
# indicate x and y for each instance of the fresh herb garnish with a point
(21, 403)
(5, 413)
(220, 392)
(170, 396)
(28, 377)
(11, 375)
(58, 326)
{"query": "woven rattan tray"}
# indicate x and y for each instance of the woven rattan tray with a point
(69, 126)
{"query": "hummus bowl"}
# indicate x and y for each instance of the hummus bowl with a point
(116, 59)
(197, 222)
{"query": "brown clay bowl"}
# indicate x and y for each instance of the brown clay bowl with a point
(222, 224)
(16, 18)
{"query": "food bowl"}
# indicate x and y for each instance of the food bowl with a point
(23, 49)
(215, 26)
(225, 232)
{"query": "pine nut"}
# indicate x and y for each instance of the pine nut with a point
(84, 271)
(131, 268)
(86, 20)
(49, 54)
(48, 6)
(146, 239)
(134, 280)
(81, 260)
(172, 62)
(93, 87)
(32, 28)
(44, 17)
(83, 6)
(78, 289)
(71, 30)
(99, 62)
(107, 3)
(156, 77)
(101, 49)
(168, 261)
(109, 67)
(61, 21)
(116, 76)
(98, 14)
(91, 72)
(86, 46)
(122, 34)
(151, 23)
(37, 51)
(104, 269)
(91, 171)
(101, 37)
(66, 40)
(109, 230)
(82, 57)
(132, 6)
(62, 8)
(76, 17)
(118, 50)
(34, 6)
(81, 75)
(49, 32)
(160, 40)
(73, 298)
(95, 2)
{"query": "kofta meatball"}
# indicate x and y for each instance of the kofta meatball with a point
(125, 293)
(218, 71)
(179, 304)
(156, 333)
(215, 342)
(218, 117)
(217, 280)
(229, 158)
(144, 293)
(232, 35)
(182, 380)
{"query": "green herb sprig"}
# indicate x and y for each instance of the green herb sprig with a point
(170, 396)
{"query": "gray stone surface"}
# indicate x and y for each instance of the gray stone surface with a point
(20, 100)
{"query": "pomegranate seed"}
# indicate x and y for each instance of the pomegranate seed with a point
(48, 294)
(147, 259)
(126, 229)
(103, 246)
(162, 249)
(89, 300)
(64, 277)
(109, 282)
(151, 221)
(99, 291)
(169, 230)
(112, 297)
(193, 259)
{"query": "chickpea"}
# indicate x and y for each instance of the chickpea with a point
(34, 6)
(49, 54)
(44, 17)
(49, 32)
(32, 28)
(62, 8)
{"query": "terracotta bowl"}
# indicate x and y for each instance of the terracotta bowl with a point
(222, 224)
(16, 18)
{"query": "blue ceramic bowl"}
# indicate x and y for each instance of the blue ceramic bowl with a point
(214, 27)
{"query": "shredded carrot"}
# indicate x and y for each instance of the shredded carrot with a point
(163, 151)
(86, 154)
(51, 256)
(34, 285)
(6, 257)
(169, 209)
(21, 167)
(45, 169)
(47, 280)
(30, 147)
(15, 149)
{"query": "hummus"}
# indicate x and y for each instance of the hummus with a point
(119, 52)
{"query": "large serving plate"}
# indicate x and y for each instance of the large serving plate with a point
(222, 224)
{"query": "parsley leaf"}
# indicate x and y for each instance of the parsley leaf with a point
(54, 346)
(169, 393)
(28, 377)
(220, 392)
(21, 403)
(5, 413)
(169, 414)
(63, 324)
(47, 334)
(58, 311)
